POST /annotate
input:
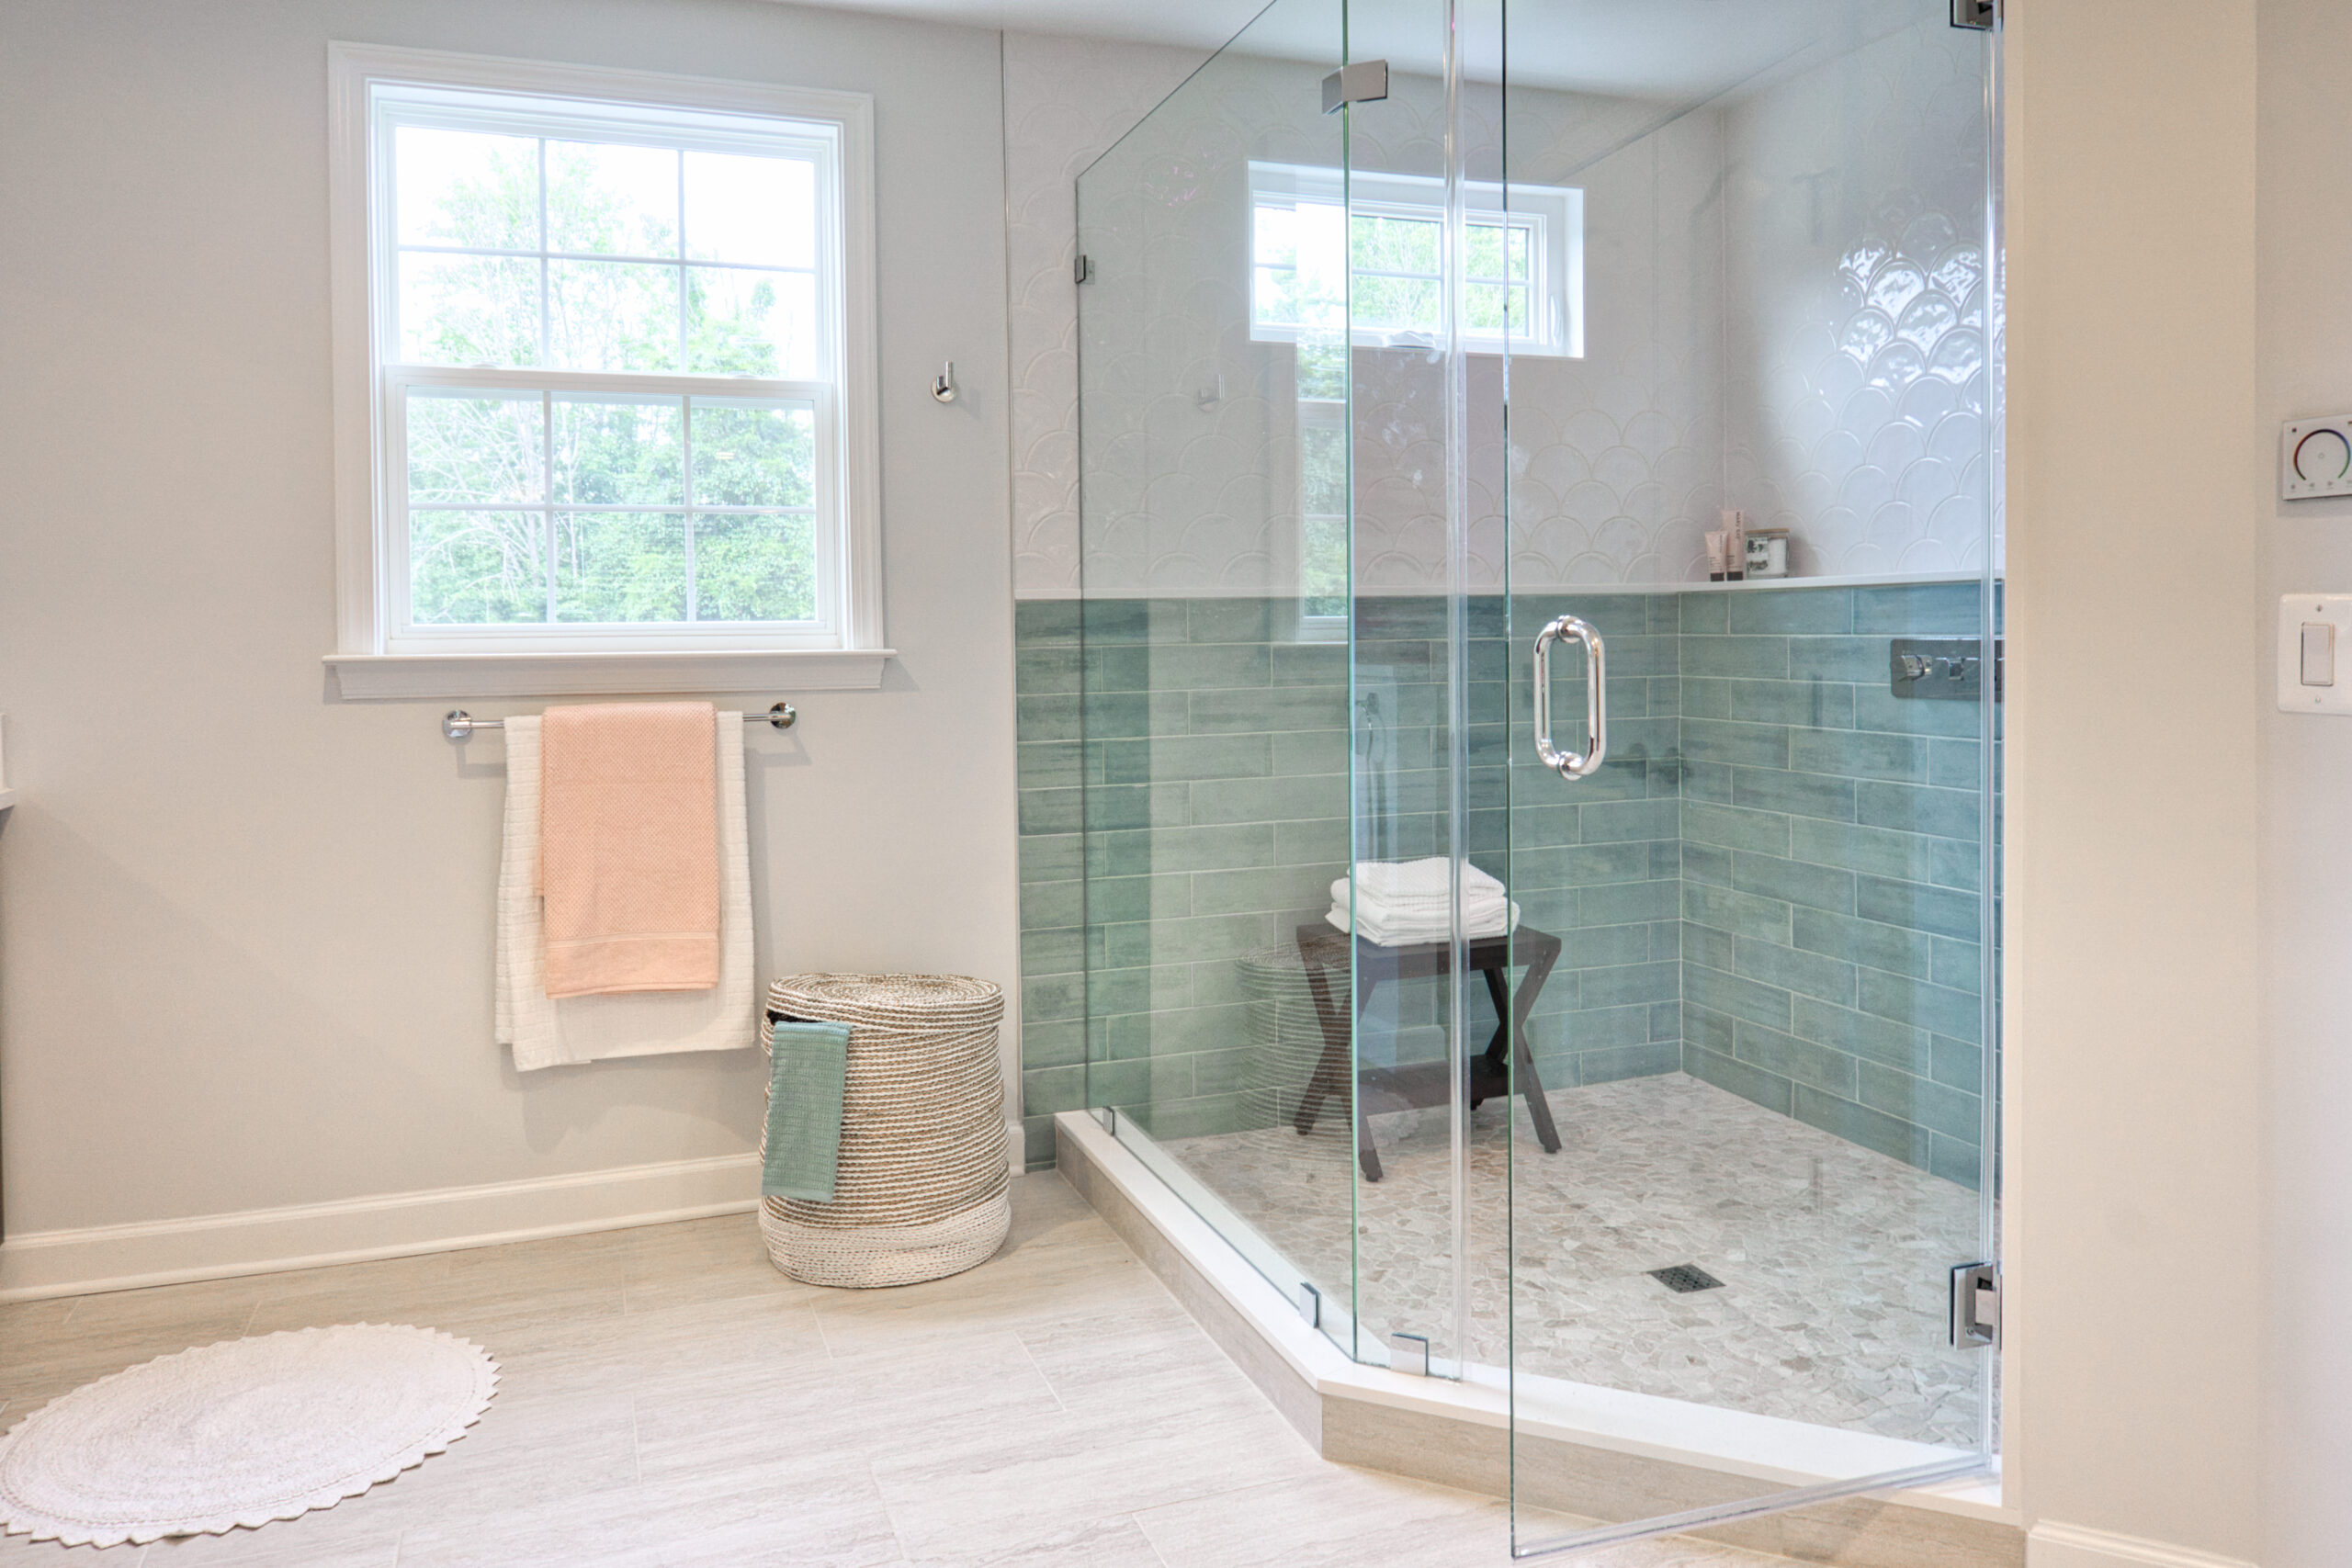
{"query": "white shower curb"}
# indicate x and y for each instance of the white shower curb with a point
(1606, 1453)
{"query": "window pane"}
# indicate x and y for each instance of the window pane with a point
(1482, 245)
(1397, 245)
(752, 212)
(1484, 305)
(1323, 468)
(472, 568)
(754, 567)
(622, 201)
(1275, 298)
(614, 453)
(621, 566)
(475, 448)
(1322, 365)
(755, 456)
(1323, 565)
(612, 315)
(1274, 236)
(468, 310)
(463, 188)
(751, 323)
(1396, 304)
(1320, 292)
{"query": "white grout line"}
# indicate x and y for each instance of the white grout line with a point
(822, 1338)
(1042, 1374)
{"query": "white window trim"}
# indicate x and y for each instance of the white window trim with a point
(363, 664)
(1556, 289)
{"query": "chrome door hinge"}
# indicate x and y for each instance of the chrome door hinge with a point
(1978, 14)
(1082, 269)
(1364, 82)
(1976, 1307)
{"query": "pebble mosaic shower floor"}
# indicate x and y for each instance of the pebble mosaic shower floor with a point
(1833, 1258)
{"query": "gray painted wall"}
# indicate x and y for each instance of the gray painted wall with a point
(245, 926)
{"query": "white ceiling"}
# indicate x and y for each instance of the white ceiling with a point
(1676, 49)
(1199, 24)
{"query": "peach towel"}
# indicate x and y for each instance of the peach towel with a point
(629, 848)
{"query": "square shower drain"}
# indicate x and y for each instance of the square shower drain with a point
(1685, 1278)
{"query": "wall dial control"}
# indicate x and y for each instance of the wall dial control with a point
(2316, 459)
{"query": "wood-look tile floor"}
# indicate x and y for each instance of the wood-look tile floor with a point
(668, 1398)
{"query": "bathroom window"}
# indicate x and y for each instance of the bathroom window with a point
(617, 362)
(1322, 512)
(1523, 280)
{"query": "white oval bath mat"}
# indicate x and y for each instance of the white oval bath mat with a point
(239, 1433)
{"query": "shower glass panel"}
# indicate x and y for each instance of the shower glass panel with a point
(1397, 347)
(1220, 739)
(1768, 1045)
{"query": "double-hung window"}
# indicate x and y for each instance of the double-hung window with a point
(617, 369)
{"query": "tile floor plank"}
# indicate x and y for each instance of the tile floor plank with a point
(667, 1398)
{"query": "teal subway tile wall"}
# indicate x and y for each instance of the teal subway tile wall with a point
(1832, 867)
(1772, 884)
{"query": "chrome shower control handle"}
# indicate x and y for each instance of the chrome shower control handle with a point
(1572, 765)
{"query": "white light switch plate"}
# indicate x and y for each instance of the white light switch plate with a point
(2295, 612)
(2316, 459)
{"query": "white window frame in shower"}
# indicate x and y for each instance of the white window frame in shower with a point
(381, 652)
(1552, 217)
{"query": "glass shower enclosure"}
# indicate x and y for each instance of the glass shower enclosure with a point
(1554, 944)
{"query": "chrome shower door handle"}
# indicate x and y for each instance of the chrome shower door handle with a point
(1572, 765)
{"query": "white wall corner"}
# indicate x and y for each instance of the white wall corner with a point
(392, 1225)
(2051, 1545)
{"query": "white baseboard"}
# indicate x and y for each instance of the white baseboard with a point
(2074, 1546)
(306, 1235)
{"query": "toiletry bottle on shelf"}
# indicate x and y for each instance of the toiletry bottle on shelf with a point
(1718, 555)
(1734, 545)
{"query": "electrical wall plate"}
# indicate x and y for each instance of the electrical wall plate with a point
(2316, 653)
(2316, 459)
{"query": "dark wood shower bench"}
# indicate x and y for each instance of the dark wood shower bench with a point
(1326, 950)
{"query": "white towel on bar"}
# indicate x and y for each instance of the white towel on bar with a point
(549, 1033)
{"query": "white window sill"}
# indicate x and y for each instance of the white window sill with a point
(785, 671)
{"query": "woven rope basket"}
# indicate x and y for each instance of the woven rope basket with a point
(923, 1188)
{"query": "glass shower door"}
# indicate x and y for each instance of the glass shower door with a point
(1277, 808)
(1212, 693)
(1760, 303)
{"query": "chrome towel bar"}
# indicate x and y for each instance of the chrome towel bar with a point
(458, 724)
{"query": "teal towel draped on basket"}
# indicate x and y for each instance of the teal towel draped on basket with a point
(804, 1141)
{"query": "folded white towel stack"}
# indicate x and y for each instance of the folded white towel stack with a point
(1398, 902)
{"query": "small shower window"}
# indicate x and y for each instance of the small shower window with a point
(1522, 265)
